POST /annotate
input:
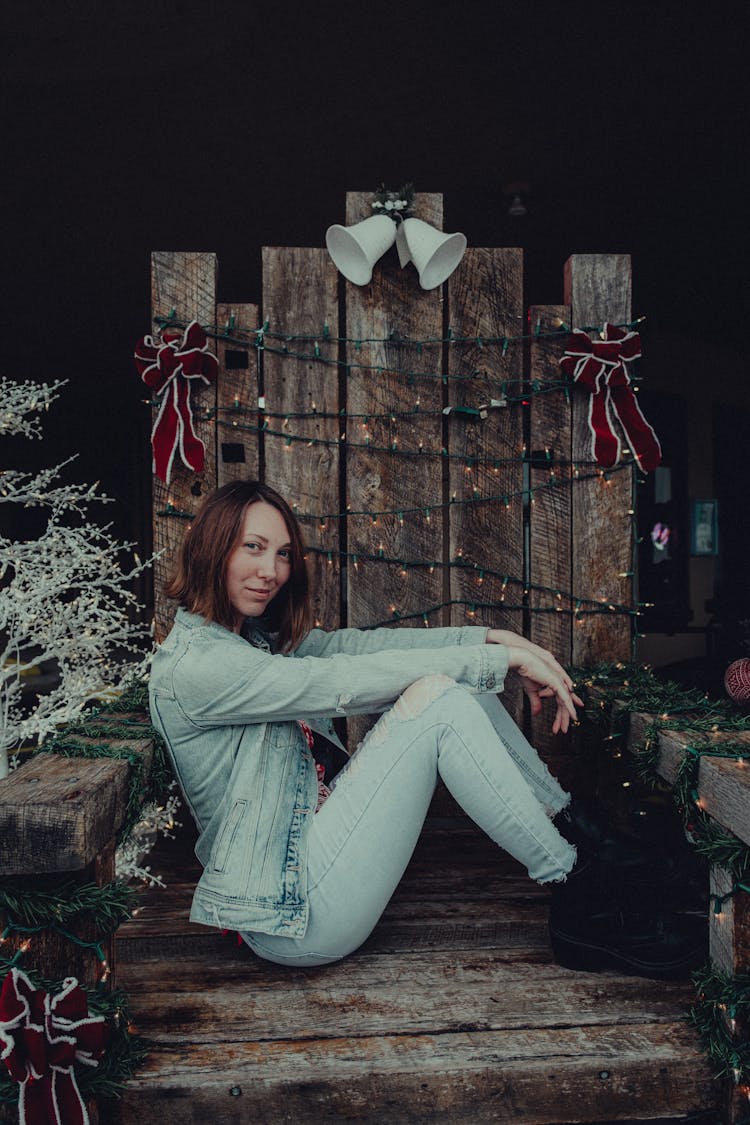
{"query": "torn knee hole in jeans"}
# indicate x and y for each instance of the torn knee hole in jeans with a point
(409, 705)
(420, 694)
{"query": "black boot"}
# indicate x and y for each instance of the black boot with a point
(659, 946)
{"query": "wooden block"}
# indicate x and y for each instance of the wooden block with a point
(58, 814)
(550, 515)
(237, 443)
(185, 283)
(300, 296)
(485, 299)
(598, 289)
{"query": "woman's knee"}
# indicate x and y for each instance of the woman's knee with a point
(419, 695)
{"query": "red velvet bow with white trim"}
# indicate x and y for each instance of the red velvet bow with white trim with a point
(166, 366)
(599, 366)
(42, 1037)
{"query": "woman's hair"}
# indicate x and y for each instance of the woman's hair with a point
(199, 581)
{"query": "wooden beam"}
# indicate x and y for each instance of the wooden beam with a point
(57, 814)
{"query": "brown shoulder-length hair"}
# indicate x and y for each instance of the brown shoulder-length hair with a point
(199, 581)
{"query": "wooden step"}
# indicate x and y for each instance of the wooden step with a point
(530, 1075)
(453, 1012)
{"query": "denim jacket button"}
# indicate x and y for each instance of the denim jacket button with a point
(491, 680)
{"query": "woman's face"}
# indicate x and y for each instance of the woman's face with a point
(260, 565)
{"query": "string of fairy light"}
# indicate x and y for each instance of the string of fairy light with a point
(528, 475)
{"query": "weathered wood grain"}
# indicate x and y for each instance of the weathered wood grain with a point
(58, 814)
(485, 299)
(381, 402)
(448, 991)
(729, 926)
(393, 476)
(183, 284)
(301, 454)
(237, 446)
(550, 512)
(545, 1076)
(598, 289)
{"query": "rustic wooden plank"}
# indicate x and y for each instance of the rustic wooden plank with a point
(301, 454)
(406, 993)
(550, 514)
(729, 927)
(542, 1077)
(723, 784)
(485, 299)
(390, 476)
(182, 284)
(237, 446)
(58, 814)
(598, 289)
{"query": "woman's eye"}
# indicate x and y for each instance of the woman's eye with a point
(285, 553)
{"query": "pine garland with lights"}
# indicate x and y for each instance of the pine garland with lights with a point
(59, 903)
(722, 1002)
(622, 689)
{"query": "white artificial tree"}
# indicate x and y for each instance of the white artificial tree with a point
(65, 597)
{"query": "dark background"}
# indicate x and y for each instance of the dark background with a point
(173, 125)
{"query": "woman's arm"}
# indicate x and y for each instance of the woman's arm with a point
(360, 642)
(229, 681)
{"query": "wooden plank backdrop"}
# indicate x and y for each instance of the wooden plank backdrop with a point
(550, 506)
(237, 454)
(413, 514)
(598, 289)
(485, 300)
(183, 285)
(300, 381)
(396, 413)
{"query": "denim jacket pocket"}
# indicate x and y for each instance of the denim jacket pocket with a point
(224, 841)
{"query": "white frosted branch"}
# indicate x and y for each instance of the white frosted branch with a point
(22, 402)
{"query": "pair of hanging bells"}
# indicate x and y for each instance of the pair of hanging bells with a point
(356, 249)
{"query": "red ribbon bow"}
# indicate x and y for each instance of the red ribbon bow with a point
(166, 366)
(41, 1037)
(599, 367)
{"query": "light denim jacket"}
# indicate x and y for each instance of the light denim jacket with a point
(228, 712)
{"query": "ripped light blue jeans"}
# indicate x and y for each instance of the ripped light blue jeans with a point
(362, 838)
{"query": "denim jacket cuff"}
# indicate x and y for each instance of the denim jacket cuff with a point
(493, 668)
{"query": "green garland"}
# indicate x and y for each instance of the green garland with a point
(628, 688)
(61, 902)
(721, 1000)
(125, 1051)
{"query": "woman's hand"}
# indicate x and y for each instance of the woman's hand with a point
(541, 676)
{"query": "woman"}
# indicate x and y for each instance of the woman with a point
(242, 682)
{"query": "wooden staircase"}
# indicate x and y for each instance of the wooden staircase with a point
(454, 1011)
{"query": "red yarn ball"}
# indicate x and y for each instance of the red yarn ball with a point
(737, 680)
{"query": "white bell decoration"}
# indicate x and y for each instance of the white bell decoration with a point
(434, 253)
(356, 249)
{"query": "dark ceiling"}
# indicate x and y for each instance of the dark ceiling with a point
(177, 125)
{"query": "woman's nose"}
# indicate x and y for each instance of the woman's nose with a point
(267, 566)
